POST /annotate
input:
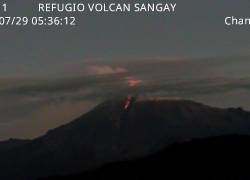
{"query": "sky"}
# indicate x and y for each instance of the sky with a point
(196, 29)
(51, 75)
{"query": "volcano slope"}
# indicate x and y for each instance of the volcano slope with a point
(117, 130)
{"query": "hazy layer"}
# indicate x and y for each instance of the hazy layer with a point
(29, 108)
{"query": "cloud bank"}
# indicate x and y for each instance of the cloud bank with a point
(104, 70)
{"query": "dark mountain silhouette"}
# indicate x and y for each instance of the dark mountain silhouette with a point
(6, 145)
(225, 157)
(117, 130)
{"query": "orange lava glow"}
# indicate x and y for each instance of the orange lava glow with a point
(134, 82)
(128, 102)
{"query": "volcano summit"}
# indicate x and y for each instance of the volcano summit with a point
(116, 130)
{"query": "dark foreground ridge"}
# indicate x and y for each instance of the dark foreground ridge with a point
(118, 130)
(223, 158)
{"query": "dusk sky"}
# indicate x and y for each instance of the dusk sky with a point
(196, 29)
(50, 75)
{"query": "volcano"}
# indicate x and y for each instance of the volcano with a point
(117, 130)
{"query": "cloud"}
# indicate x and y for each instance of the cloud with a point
(104, 70)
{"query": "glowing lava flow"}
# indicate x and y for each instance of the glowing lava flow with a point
(132, 83)
(127, 102)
